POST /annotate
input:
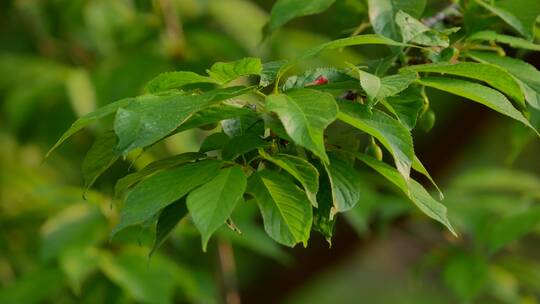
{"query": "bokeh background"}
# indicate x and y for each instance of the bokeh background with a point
(60, 59)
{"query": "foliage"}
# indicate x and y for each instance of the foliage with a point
(292, 140)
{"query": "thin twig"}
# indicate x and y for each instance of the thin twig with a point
(228, 273)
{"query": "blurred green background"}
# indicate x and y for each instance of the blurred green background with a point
(60, 59)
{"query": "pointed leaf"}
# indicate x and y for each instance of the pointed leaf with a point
(345, 184)
(212, 204)
(393, 135)
(406, 106)
(382, 14)
(284, 11)
(494, 76)
(512, 41)
(150, 118)
(173, 80)
(225, 72)
(99, 158)
(305, 114)
(89, 119)
(527, 75)
(300, 169)
(520, 15)
(215, 114)
(476, 92)
(242, 144)
(160, 190)
(416, 193)
(216, 141)
(169, 217)
(286, 210)
(162, 164)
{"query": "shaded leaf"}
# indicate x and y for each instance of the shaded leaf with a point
(414, 191)
(520, 15)
(216, 141)
(163, 188)
(478, 93)
(162, 164)
(215, 114)
(527, 75)
(225, 72)
(173, 80)
(150, 118)
(393, 135)
(382, 14)
(90, 118)
(284, 11)
(494, 76)
(345, 183)
(286, 210)
(212, 204)
(406, 106)
(169, 217)
(512, 228)
(300, 169)
(512, 41)
(242, 144)
(99, 158)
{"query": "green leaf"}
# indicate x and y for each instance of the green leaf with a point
(323, 216)
(163, 188)
(310, 77)
(212, 204)
(339, 44)
(345, 182)
(90, 118)
(284, 11)
(512, 228)
(169, 217)
(300, 169)
(520, 15)
(242, 144)
(225, 72)
(215, 114)
(286, 210)
(406, 106)
(173, 80)
(414, 191)
(305, 114)
(494, 76)
(382, 14)
(419, 167)
(162, 164)
(371, 84)
(395, 84)
(350, 41)
(270, 71)
(512, 41)
(392, 134)
(99, 158)
(216, 141)
(478, 93)
(527, 75)
(150, 118)
(416, 32)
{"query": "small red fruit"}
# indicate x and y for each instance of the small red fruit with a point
(320, 80)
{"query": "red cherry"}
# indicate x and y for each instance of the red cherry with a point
(320, 80)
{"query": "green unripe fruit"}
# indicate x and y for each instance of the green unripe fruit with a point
(208, 127)
(427, 121)
(374, 150)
